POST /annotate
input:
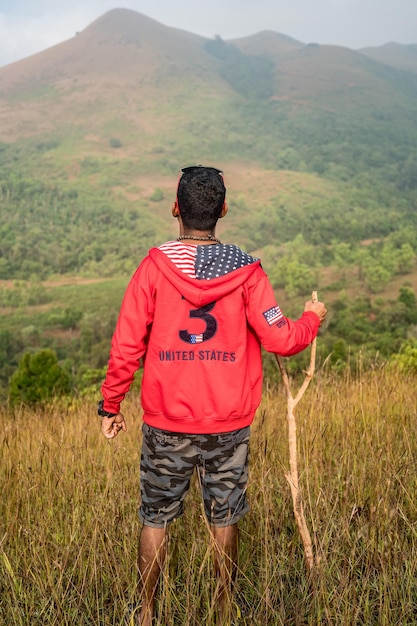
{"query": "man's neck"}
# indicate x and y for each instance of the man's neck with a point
(198, 236)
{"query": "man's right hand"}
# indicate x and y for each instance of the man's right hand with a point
(110, 426)
(318, 308)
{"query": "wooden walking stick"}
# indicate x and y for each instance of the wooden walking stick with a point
(292, 476)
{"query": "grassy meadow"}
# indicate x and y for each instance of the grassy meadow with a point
(69, 526)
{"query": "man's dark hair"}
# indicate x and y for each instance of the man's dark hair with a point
(201, 194)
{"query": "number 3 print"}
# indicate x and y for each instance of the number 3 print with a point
(211, 325)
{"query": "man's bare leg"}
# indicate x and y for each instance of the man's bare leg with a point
(152, 552)
(225, 566)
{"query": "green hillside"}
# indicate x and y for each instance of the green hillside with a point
(319, 148)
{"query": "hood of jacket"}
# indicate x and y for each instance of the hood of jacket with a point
(202, 291)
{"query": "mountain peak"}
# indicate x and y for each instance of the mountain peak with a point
(125, 22)
(268, 43)
(116, 46)
(400, 56)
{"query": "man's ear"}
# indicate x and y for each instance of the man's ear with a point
(175, 209)
(224, 210)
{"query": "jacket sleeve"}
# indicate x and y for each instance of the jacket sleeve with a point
(276, 332)
(130, 338)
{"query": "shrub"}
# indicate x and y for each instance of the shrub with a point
(38, 379)
(157, 195)
(114, 142)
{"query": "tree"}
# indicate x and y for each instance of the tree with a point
(377, 277)
(38, 379)
(405, 259)
(408, 298)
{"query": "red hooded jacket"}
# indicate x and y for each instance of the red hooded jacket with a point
(200, 341)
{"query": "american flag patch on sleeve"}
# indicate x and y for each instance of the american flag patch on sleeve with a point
(273, 316)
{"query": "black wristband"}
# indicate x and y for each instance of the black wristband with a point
(102, 412)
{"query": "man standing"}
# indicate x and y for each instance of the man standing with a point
(196, 313)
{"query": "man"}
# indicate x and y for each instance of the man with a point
(196, 313)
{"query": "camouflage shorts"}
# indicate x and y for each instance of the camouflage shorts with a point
(167, 464)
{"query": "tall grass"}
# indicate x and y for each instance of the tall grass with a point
(69, 527)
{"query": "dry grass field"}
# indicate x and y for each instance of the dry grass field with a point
(69, 527)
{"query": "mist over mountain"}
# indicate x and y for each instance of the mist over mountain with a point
(127, 65)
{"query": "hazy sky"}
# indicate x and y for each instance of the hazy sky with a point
(29, 26)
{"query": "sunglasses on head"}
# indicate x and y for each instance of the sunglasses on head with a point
(196, 168)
